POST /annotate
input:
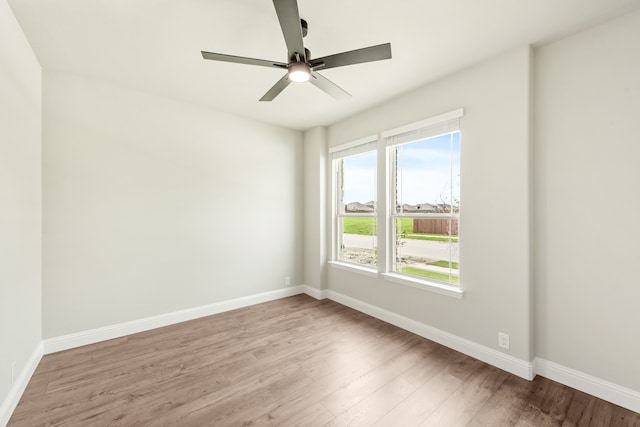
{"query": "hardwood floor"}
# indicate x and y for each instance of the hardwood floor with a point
(295, 361)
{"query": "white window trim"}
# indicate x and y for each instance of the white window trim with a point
(356, 268)
(427, 285)
(426, 123)
(352, 144)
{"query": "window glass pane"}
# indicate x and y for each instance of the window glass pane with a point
(427, 180)
(358, 240)
(427, 248)
(359, 183)
(357, 235)
(428, 175)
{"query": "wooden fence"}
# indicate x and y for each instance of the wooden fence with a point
(435, 226)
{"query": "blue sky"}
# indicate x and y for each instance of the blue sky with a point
(424, 169)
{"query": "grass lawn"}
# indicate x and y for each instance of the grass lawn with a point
(430, 274)
(445, 264)
(368, 227)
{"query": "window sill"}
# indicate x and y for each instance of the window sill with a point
(355, 268)
(451, 291)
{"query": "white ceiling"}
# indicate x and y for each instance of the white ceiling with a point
(154, 45)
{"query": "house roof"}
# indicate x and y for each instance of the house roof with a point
(154, 46)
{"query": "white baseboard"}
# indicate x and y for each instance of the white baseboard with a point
(65, 342)
(19, 385)
(315, 293)
(614, 393)
(503, 361)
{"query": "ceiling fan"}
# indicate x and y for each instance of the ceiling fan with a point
(300, 67)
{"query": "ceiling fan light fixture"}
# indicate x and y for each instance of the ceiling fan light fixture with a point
(299, 72)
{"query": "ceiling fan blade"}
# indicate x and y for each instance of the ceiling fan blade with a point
(358, 56)
(242, 60)
(287, 11)
(328, 86)
(276, 89)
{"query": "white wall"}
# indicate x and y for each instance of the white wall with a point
(587, 198)
(152, 205)
(495, 243)
(20, 200)
(315, 208)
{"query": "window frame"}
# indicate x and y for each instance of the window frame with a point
(385, 211)
(339, 213)
(394, 215)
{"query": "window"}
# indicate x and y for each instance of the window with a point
(356, 227)
(408, 229)
(425, 207)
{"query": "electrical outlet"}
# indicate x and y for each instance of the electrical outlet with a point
(13, 372)
(503, 340)
(287, 281)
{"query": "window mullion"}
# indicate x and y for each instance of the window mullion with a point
(390, 207)
(382, 208)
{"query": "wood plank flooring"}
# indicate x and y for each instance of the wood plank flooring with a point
(294, 361)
